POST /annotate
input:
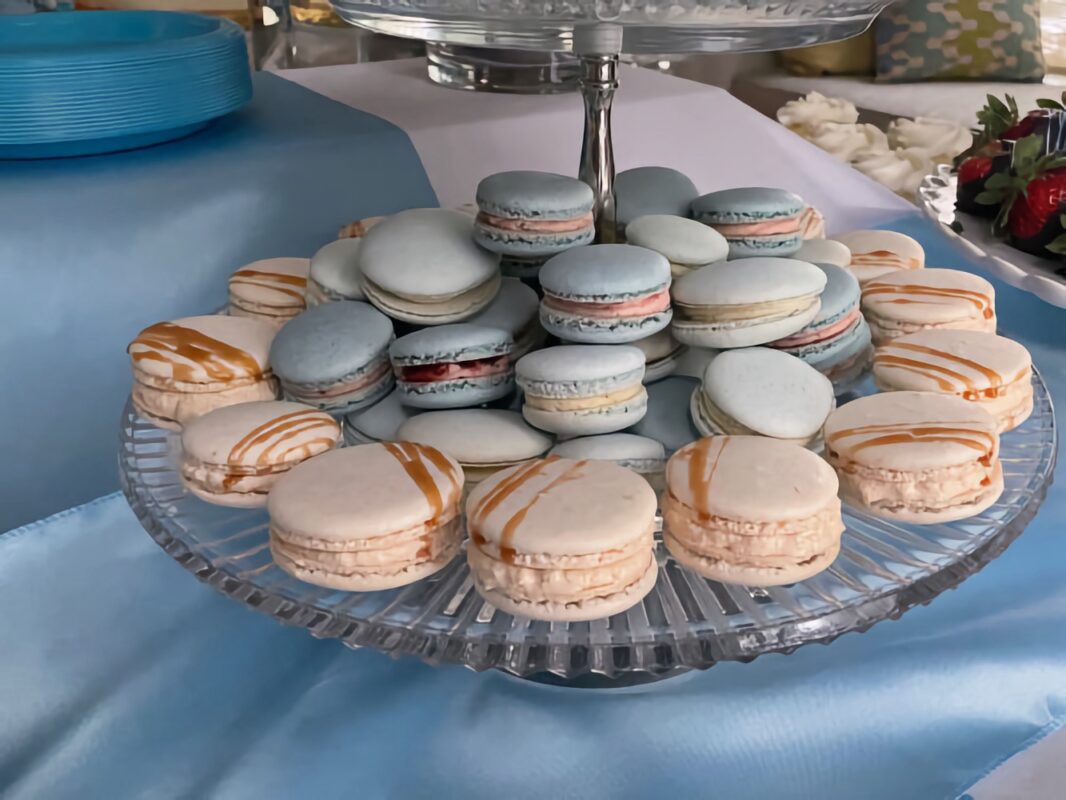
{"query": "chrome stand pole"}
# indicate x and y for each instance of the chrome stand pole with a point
(599, 79)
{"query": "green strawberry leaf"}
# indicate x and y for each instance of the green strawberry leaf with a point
(988, 198)
(1062, 221)
(997, 106)
(1058, 246)
(1000, 180)
(1050, 104)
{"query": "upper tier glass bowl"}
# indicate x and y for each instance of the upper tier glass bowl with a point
(628, 26)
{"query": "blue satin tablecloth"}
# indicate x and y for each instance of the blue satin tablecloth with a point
(122, 677)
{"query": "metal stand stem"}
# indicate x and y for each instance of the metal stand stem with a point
(599, 79)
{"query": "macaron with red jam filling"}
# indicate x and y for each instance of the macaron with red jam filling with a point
(530, 214)
(453, 366)
(335, 357)
(756, 221)
(606, 294)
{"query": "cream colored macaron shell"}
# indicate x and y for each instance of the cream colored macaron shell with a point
(376, 516)
(562, 540)
(992, 371)
(751, 510)
(232, 456)
(875, 253)
(187, 367)
(272, 290)
(908, 302)
(915, 456)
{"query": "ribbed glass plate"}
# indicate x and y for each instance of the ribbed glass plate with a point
(687, 621)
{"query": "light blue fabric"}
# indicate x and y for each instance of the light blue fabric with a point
(123, 678)
(94, 249)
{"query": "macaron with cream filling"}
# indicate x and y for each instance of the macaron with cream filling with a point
(335, 273)
(272, 290)
(562, 540)
(876, 253)
(685, 243)
(533, 214)
(824, 251)
(751, 511)
(581, 390)
(756, 221)
(918, 457)
(661, 354)
(605, 294)
(746, 302)
(992, 371)
(422, 266)
(366, 518)
(232, 456)
(908, 301)
(189, 366)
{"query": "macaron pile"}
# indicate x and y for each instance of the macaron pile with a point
(696, 363)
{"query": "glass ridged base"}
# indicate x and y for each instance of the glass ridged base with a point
(686, 622)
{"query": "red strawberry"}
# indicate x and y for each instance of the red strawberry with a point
(1025, 126)
(1038, 204)
(975, 168)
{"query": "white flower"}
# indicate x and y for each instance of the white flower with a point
(843, 140)
(900, 170)
(800, 115)
(941, 139)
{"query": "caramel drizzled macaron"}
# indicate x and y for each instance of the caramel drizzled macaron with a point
(993, 371)
(272, 290)
(750, 510)
(232, 456)
(916, 457)
(877, 253)
(562, 540)
(905, 302)
(189, 366)
(364, 518)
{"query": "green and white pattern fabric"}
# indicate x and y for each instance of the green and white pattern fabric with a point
(960, 39)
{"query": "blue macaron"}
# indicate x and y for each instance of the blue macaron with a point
(605, 294)
(527, 214)
(652, 190)
(756, 221)
(453, 366)
(837, 341)
(334, 356)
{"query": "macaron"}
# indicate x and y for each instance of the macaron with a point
(272, 290)
(232, 456)
(824, 251)
(756, 221)
(763, 392)
(335, 357)
(515, 310)
(482, 440)
(918, 457)
(905, 302)
(525, 558)
(751, 511)
(365, 518)
(876, 253)
(422, 266)
(335, 273)
(582, 389)
(746, 302)
(661, 354)
(605, 294)
(685, 243)
(667, 419)
(652, 190)
(380, 422)
(359, 228)
(812, 223)
(523, 213)
(992, 371)
(452, 366)
(642, 455)
(189, 366)
(837, 341)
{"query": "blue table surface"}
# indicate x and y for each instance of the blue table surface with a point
(123, 677)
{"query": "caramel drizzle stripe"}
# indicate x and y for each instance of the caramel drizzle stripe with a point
(994, 377)
(408, 456)
(216, 358)
(307, 447)
(907, 436)
(506, 487)
(296, 430)
(278, 289)
(510, 528)
(271, 277)
(919, 433)
(263, 433)
(877, 258)
(698, 467)
(440, 461)
(980, 301)
(925, 370)
(270, 280)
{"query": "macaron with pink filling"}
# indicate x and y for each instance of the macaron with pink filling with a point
(530, 214)
(605, 294)
(756, 220)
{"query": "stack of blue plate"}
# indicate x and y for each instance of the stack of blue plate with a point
(99, 81)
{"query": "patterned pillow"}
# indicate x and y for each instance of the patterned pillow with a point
(960, 39)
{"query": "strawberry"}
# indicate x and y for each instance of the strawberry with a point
(1026, 126)
(1037, 206)
(975, 168)
(973, 175)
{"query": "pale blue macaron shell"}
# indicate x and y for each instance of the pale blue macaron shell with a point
(447, 344)
(532, 196)
(604, 273)
(579, 370)
(667, 419)
(652, 190)
(332, 344)
(747, 205)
